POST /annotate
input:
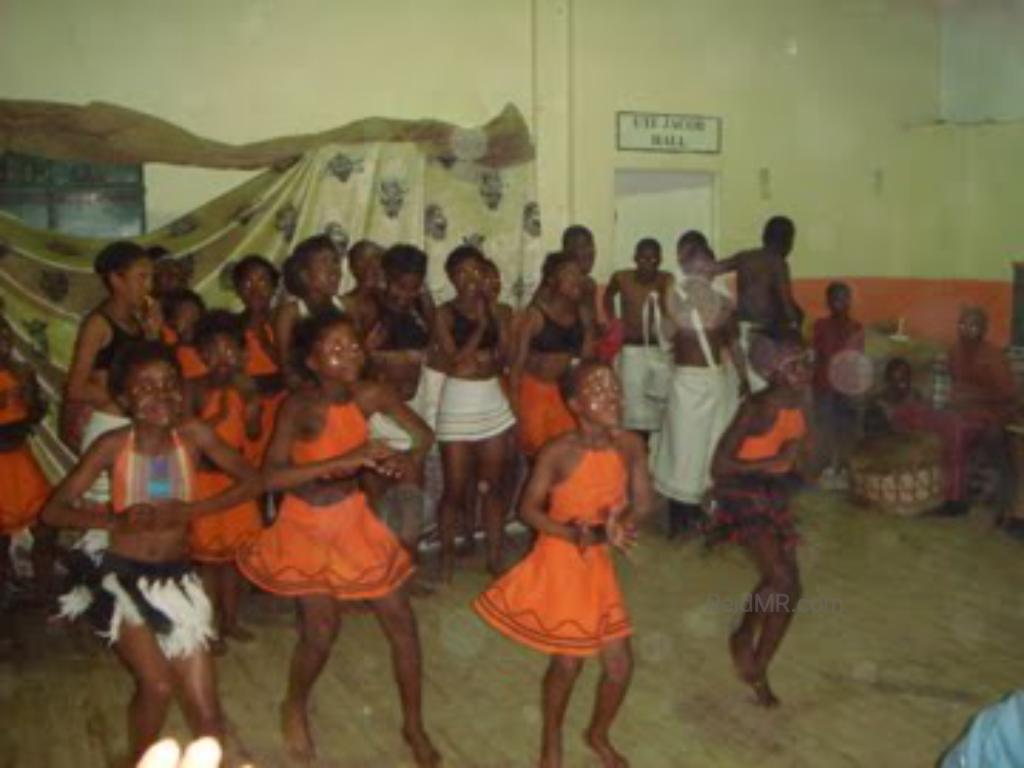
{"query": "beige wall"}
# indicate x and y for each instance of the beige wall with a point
(244, 70)
(833, 97)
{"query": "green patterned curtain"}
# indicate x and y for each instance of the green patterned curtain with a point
(386, 191)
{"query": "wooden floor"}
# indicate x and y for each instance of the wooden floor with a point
(908, 628)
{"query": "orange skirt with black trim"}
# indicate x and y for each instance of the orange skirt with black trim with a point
(23, 490)
(543, 415)
(558, 600)
(217, 538)
(341, 550)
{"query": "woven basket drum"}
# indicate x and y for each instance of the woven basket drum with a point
(900, 474)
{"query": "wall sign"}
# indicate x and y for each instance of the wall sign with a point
(656, 132)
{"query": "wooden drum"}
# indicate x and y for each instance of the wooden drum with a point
(900, 473)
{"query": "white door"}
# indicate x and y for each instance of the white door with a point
(662, 205)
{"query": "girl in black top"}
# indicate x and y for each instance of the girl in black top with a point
(474, 416)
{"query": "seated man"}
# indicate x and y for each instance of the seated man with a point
(983, 399)
(983, 384)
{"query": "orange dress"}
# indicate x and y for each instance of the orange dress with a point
(23, 486)
(263, 370)
(557, 599)
(748, 505)
(543, 414)
(216, 538)
(192, 365)
(341, 549)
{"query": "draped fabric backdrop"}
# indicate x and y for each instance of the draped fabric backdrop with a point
(420, 182)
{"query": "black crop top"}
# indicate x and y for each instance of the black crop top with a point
(404, 330)
(463, 327)
(119, 338)
(556, 338)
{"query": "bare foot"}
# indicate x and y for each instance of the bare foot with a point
(743, 657)
(605, 751)
(423, 751)
(295, 729)
(765, 697)
(238, 633)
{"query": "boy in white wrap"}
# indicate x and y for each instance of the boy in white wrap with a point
(701, 323)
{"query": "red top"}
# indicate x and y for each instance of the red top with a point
(833, 335)
(982, 379)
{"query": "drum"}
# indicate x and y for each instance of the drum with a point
(900, 474)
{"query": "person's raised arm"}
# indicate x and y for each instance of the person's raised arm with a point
(610, 292)
(528, 327)
(590, 332)
(731, 264)
(443, 320)
(784, 291)
(285, 318)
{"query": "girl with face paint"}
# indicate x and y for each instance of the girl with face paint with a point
(327, 548)
(584, 495)
(143, 595)
(755, 471)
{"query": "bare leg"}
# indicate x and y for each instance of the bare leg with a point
(744, 639)
(617, 669)
(557, 688)
(44, 554)
(319, 622)
(209, 574)
(197, 686)
(455, 459)
(232, 585)
(786, 588)
(774, 602)
(397, 620)
(491, 464)
(139, 651)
